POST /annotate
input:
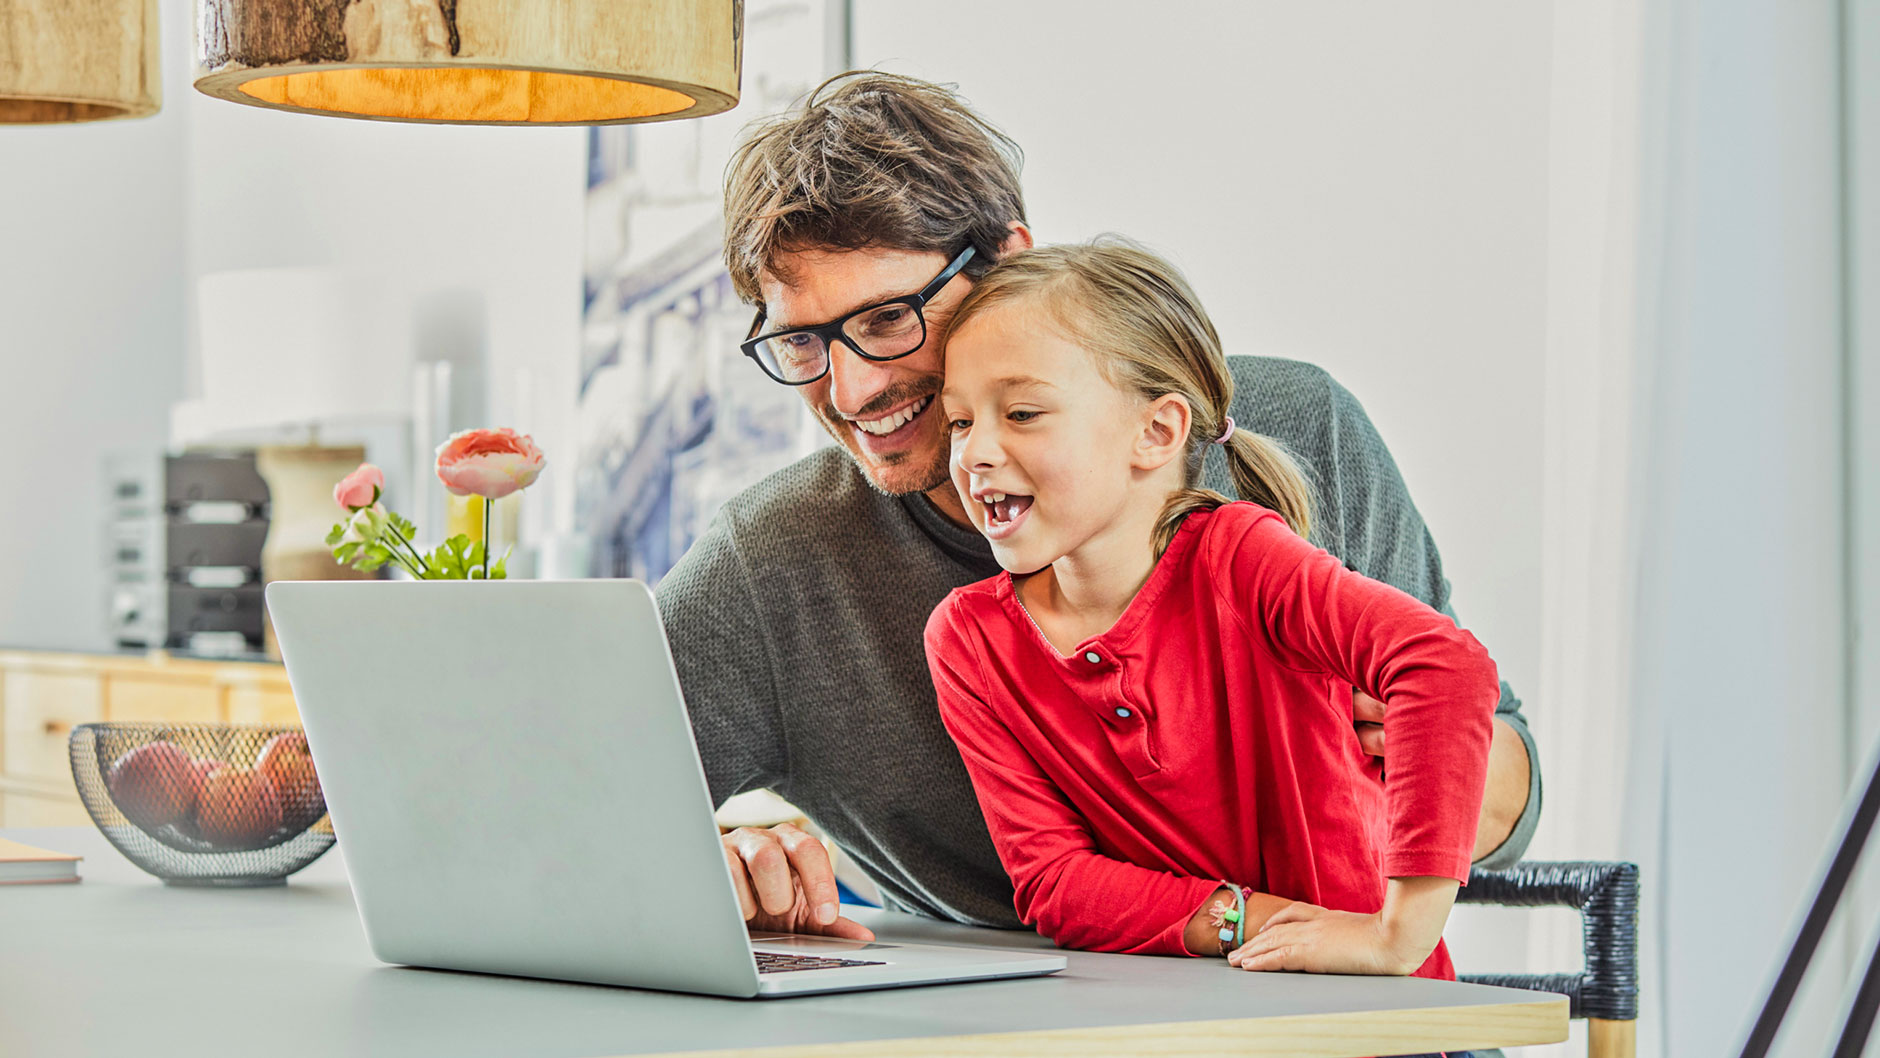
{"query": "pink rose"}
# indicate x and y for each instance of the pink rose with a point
(360, 488)
(488, 463)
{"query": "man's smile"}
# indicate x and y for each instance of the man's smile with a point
(886, 425)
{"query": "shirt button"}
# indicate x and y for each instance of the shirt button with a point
(1092, 656)
(1122, 712)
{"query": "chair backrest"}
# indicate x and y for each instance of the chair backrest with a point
(1606, 896)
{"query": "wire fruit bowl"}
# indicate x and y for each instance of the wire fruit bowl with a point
(204, 804)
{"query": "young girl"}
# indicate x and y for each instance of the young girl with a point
(1154, 701)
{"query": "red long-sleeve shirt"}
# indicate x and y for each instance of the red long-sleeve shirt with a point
(1208, 735)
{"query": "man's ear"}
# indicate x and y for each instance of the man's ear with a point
(1018, 239)
(1164, 436)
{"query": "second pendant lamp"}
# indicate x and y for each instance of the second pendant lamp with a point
(475, 62)
(78, 60)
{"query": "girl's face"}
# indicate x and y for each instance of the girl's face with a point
(1044, 448)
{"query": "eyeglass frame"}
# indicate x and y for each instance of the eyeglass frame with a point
(832, 332)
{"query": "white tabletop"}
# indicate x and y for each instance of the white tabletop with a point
(121, 964)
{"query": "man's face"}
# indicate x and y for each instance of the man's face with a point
(884, 413)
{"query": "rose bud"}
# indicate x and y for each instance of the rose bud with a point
(360, 488)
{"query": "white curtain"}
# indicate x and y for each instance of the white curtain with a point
(1598, 374)
(1696, 562)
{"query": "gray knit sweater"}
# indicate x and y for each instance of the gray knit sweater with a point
(796, 624)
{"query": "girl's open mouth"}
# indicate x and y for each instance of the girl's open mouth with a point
(1004, 513)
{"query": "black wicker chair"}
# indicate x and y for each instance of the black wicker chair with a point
(1606, 895)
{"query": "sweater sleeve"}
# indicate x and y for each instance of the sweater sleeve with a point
(1438, 684)
(1063, 885)
(722, 652)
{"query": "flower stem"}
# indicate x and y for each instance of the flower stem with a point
(487, 542)
(421, 569)
(406, 563)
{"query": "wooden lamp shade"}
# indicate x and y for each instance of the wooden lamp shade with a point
(474, 62)
(78, 60)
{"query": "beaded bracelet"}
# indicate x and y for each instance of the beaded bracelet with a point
(1230, 923)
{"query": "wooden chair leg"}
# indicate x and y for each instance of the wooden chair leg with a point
(1611, 1039)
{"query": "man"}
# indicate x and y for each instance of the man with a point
(856, 223)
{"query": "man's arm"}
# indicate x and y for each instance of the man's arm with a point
(726, 668)
(1363, 514)
(723, 656)
(1511, 806)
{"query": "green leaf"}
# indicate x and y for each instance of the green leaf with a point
(344, 553)
(476, 573)
(500, 571)
(333, 537)
(402, 524)
(379, 553)
(475, 557)
(446, 564)
(369, 563)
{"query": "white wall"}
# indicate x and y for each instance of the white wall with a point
(91, 342)
(107, 226)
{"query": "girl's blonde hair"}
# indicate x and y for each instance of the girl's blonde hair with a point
(1139, 318)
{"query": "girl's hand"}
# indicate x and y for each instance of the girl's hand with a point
(1317, 940)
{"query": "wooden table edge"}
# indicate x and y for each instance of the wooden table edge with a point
(1337, 1035)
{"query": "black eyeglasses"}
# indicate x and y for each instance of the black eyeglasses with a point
(887, 331)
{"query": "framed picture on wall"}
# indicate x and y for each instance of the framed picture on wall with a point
(671, 419)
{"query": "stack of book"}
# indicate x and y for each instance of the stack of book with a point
(26, 865)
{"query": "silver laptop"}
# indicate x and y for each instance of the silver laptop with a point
(512, 776)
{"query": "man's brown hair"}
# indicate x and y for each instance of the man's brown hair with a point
(868, 160)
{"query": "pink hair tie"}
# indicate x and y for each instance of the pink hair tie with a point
(1227, 433)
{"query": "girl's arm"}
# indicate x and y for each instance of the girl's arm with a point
(1313, 614)
(1396, 940)
(1064, 887)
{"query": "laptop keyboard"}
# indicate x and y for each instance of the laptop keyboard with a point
(773, 962)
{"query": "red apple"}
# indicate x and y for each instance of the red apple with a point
(288, 764)
(153, 785)
(199, 772)
(198, 775)
(238, 807)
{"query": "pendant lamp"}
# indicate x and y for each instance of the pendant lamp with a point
(78, 60)
(474, 62)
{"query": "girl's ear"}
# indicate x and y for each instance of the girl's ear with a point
(1164, 436)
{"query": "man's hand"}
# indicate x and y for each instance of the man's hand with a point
(1507, 793)
(785, 883)
(1367, 714)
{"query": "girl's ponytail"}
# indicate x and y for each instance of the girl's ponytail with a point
(1264, 473)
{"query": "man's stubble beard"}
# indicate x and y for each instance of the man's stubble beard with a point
(938, 469)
